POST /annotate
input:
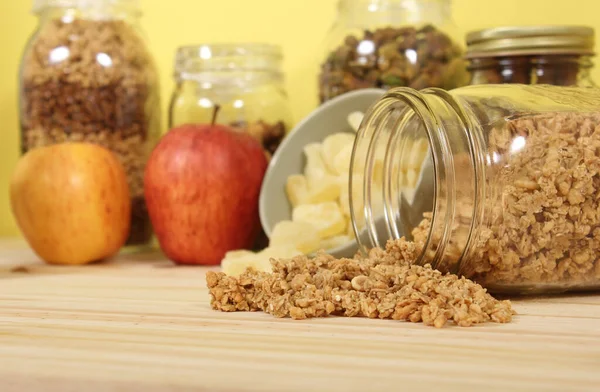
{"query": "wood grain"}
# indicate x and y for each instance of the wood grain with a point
(138, 323)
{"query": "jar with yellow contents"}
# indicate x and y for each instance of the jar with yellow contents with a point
(244, 80)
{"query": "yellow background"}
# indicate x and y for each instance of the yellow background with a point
(298, 25)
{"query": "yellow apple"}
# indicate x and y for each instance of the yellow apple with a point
(71, 202)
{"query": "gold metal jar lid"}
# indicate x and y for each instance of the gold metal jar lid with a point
(530, 40)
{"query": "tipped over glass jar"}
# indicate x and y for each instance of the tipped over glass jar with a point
(508, 178)
(392, 43)
(87, 76)
(557, 55)
(244, 80)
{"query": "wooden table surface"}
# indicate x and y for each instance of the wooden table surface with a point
(138, 323)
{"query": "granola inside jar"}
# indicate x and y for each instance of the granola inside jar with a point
(86, 75)
(244, 80)
(557, 55)
(508, 183)
(392, 43)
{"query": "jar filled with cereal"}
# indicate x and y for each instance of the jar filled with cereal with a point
(508, 177)
(244, 80)
(86, 75)
(392, 43)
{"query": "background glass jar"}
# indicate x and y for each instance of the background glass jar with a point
(506, 188)
(391, 43)
(245, 80)
(557, 55)
(86, 75)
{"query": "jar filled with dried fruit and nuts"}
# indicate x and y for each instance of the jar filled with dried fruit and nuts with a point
(557, 55)
(86, 75)
(392, 43)
(508, 182)
(244, 80)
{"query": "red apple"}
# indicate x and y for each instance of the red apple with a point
(202, 184)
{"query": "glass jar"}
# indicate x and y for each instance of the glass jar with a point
(506, 188)
(244, 80)
(391, 43)
(86, 75)
(557, 55)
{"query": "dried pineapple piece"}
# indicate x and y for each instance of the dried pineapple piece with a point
(296, 189)
(417, 154)
(326, 217)
(341, 162)
(335, 241)
(236, 262)
(235, 266)
(354, 120)
(236, 254)
(327, 190)
(302, 236)
(405, 154)
(332, 145)
(411, 178)
(377, 174)
(350, 229)
(344, 200)
(315, 169)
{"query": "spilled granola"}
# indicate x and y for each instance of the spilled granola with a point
(385, 284)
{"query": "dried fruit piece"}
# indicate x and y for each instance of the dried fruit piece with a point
(341, 162)
(237, 254)
(332, 145)
(328, 190)
(350, 228)
(315, 169)
(296, 189)
(326, 217)
(354, 119)
(411, 178)
(237, 266)
(236, 262)
(335, 241)
(301, 235)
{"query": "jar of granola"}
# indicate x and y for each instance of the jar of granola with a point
(244, 80)
(86, 75)
(392, 43)
(508, 178)
(557, 55)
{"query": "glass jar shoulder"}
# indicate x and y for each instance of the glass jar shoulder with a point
(193, 102)
(516, 99)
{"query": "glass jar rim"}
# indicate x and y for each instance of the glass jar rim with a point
(251, 57)
(40, 5)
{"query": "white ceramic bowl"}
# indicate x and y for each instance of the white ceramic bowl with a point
(329, 118)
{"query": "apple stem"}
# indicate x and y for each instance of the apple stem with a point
(215, 112)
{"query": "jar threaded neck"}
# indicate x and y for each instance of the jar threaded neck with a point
(415, 156)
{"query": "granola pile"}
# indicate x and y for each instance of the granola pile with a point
(384, 285)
